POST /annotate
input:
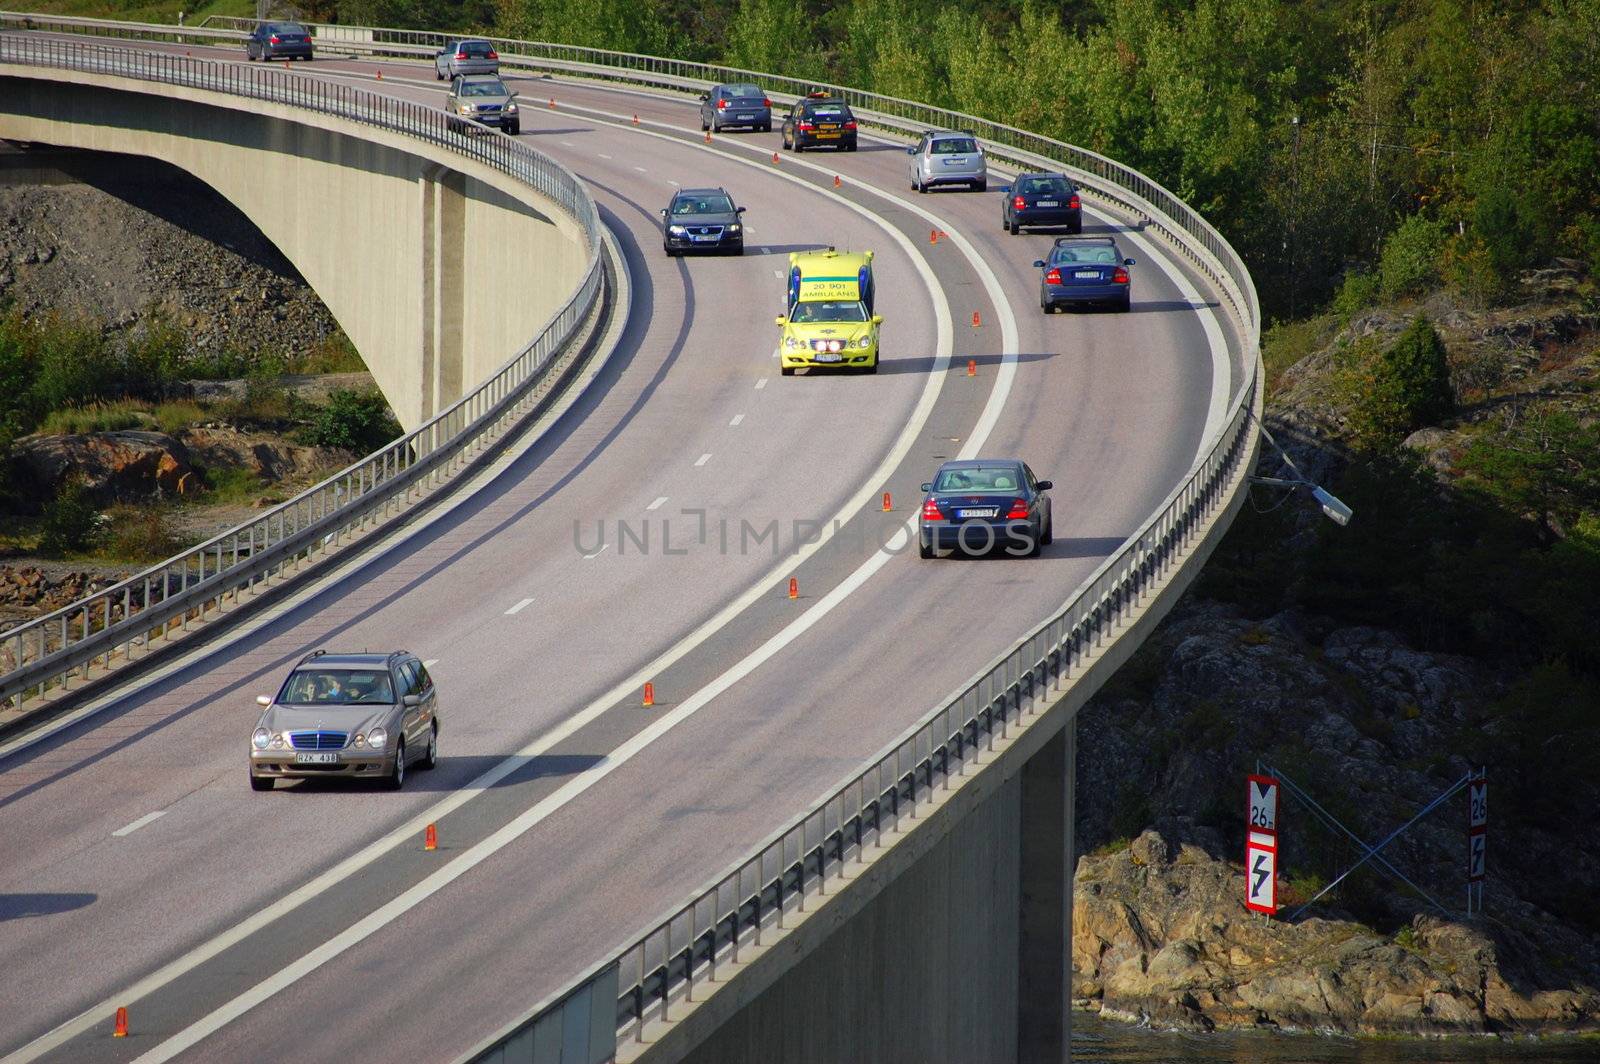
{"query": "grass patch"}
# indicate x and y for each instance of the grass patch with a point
(230, 484)
(1286, 343)
(331, 354)
(1115, 846)
(136, 535)
(118, 414)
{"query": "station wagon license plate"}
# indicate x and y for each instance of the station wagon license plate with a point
(1048, 203)
(1087, 275)
(977, 513)
(827, 356)
(316, 759)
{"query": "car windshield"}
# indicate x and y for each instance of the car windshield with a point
(953, 146)
(338, 687)
(1104, 254)
(715, 204)
(827, 310)
(979, 478)
(1044, 185)
(743, 90)
(482, 88)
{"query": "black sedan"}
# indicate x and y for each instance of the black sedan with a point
(985, 504)
(818, 120)
(702, 219)
(278, 40)
(1084, 270)
(1042, 199)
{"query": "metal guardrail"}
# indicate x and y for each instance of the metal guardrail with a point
(661, 965)
(111, 627)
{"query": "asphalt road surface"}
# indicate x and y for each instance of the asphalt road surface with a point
(650, 534)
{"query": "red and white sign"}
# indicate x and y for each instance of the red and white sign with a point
(1261, 873)
(1262, 804)
(1477, 828)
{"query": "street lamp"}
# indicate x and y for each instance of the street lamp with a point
(1332, 506)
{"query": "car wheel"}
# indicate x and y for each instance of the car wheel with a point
(851, 146)
(515, 129)
(430, 757)
(261, 783)
(1016, 229)
(1126, 304)
(1037, 547)
(766, 127)
(1049, 535)
(672, 253)
(787, 371)
(704, 125)
(924, 549)
(397, 776)
(980, 186)
(1077, 227)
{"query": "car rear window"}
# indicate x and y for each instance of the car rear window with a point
(477, 49)
(954, 146)
(979, 478)
(828, 110)
(1057, 185)
(338, 687)
(743, 90)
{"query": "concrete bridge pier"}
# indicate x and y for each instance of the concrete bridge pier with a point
(956, 952)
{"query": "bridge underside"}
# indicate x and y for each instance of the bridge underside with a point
(383, 235)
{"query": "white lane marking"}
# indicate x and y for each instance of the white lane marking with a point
(430, 663)
(761, 383)
(656, 505)
(603, 155)
(641, 169)
(129, 829)
(702, 460)
(595, 554)
(519, 607)
(738, 419)
(405, 834)
(778, 274)
(365, 927)
(569, 144)
(673, 183)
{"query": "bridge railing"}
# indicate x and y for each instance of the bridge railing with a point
(121, 623)
(661, 966)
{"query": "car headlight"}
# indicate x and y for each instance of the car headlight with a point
(511, 108)
(464, 109)
(280, 741)
(864, 343)
(261, 738)
(377, 737)
(359, 740)
(734, 228)
(676, 230)
(790, 342)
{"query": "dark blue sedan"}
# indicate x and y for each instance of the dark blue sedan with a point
(983, 505)
(1041, 199)
(1085, 270)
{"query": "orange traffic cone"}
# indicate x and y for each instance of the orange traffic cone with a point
(649, 694)
(972, 367)
(121, 1030)
(976, 321)
(430, 838)
(794, 587)
(887, 505)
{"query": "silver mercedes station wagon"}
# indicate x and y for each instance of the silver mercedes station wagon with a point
(366, 716)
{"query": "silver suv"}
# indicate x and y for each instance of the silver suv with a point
(466, 57)
(482, 99)
(366, 716)
(948, 157)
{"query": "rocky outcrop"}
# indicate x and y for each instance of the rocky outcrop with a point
(267, 456)
(130, 464)
(1373, 729)
(1161, 936)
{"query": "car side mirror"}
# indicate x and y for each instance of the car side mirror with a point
(705, 96)
(911, 150)
(1005, 190)
(1046, 485)
(877, 319)
(1038, 262)
(927, 487)
(263, 700)
(1127, 262)
(780, 320)
(514, 95)
(413, 700)
(663, 212)
(738, 210)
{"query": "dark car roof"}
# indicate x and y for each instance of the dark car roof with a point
(682, 192)
(975, 463)
(351, 661)
(1084, 241)
(1049, 173)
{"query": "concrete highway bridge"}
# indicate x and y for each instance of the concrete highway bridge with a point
(843, 829)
